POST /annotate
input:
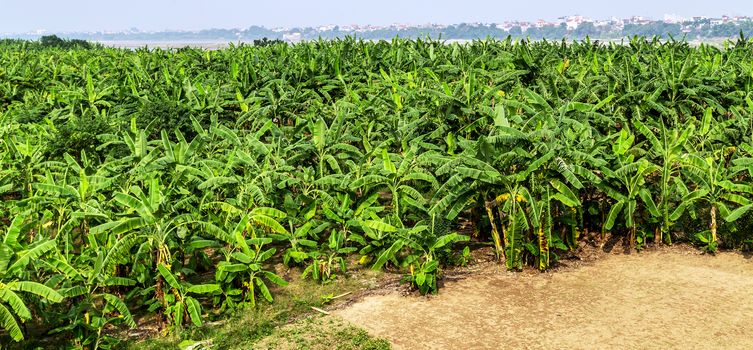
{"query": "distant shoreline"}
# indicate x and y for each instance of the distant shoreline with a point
(166, 44)
(221, 44)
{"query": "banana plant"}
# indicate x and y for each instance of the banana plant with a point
(151, 223)
(541, 220)
(668, 148)
(97, 308)
(244, 265)
(331, 145)
(400, 182)
(421, 259)
(473, 174)
(514, 224)
(630, 177)
(715, 185)
(76, 205)
(15, 257)
(325, 262)
(93, 96)
(180, 158)
(25, 154)
(181, 302)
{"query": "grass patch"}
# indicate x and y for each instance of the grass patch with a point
(323, 333)
(287, 323)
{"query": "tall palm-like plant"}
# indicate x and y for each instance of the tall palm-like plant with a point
(15, 257)
(151, 223)
(668, 148)
(715, 185)
(399, 180)
(630, 177)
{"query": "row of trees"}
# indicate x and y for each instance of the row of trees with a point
(693, 30)
(552, 32)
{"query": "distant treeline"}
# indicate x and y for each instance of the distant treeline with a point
(554, 32)
(701, 29)
(53, 41)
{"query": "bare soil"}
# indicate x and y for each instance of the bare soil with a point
(668, 298)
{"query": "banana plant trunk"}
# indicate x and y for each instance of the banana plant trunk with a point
(161, 297)
(543, 249)
(158, 292)
(495, 233)
(713, 223)
(505, 241)
(633, 230)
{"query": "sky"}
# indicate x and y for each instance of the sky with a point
(18, 16)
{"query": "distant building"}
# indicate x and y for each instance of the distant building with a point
(673, 19)
(640, 20)
(602, 23)
(574, 21)
(292, 37)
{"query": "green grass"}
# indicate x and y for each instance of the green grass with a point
(319, 332)
(288, 323)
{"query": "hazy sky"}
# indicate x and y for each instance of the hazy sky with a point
(89, 15)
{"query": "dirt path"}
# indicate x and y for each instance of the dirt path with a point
(654, 300)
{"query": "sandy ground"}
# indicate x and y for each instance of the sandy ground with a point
(671, 299)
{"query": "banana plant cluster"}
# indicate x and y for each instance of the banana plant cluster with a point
(185, 183)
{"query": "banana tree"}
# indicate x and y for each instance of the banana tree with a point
(75, 204)
(399, 180)
(244, 265)
(96, 306)
(151, 223)
(668, 148)
(326, 261)
(715, 185)
(540, 204)
(475, 175)
(514, 223)
(331, 145)
(422, 244)
(630, 177)
(25, 157)
(181, 303)
(15, 257)
(180, 158)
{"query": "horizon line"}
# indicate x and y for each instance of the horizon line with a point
(677, 18)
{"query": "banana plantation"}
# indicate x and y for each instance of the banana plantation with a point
(169, 183)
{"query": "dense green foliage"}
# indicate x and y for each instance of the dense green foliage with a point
(169, 182)
(57, 42)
